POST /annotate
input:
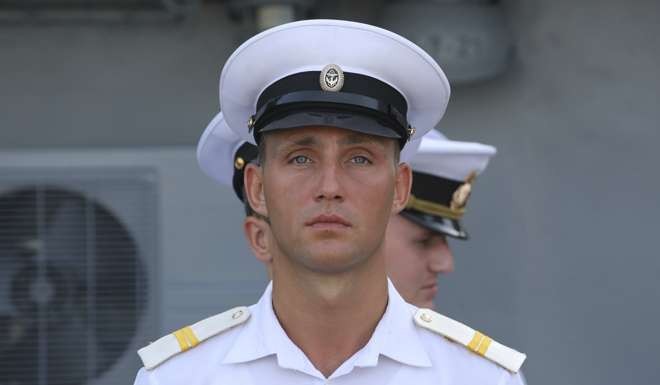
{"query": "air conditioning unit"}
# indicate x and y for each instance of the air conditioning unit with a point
(103, 251)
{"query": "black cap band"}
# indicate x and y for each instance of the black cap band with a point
(430, 205)
(434, 188)
(353, 84)
(360, 95)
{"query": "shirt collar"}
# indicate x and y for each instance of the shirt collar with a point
(396, 325)
(263, 336)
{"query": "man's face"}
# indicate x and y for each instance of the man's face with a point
(414, 257)
(329, 194)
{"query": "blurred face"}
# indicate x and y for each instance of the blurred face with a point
(414, 257)
(329, 194)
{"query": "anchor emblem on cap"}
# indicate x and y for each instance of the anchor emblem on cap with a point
(331, 78)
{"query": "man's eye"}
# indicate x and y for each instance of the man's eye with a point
(360, 160)
(300, 159)
(424, 243)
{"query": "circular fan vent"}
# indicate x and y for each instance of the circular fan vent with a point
(72, 287)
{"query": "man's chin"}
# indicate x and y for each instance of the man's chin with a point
(425, 304)
(425, 300)
(332, 261)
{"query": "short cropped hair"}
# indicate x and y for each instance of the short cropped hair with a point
(249, 211)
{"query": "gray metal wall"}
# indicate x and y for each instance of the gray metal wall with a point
(563, 261)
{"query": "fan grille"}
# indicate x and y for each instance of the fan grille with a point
(73, 286)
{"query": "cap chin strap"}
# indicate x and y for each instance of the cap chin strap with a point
(433, 208)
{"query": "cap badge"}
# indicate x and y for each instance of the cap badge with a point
(331, 78)
(462, 194)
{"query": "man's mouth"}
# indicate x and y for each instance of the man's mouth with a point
(328, 221)
(431, 286)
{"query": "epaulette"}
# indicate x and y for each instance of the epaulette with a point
(188, 337)
(475, 341)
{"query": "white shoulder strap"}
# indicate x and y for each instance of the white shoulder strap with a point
(188, 337)
(470, 338)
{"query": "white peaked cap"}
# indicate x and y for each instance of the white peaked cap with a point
(443, 176)
(216, 149)
(437, 155)
(311, 45)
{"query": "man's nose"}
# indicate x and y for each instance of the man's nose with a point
(330, 187)
(441, 260)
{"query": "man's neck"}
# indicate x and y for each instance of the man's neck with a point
(330, 318)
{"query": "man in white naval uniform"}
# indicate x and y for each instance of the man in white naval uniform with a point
(330, 109)
(416, 247)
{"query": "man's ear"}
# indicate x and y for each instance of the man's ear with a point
(256, 233)
(402, 185)
(254, 189)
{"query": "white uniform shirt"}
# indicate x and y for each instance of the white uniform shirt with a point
(260, 352)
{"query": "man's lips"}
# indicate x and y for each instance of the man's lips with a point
(328, 221)
(430, 286)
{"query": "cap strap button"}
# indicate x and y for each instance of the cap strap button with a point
(411, 131)
(239, 163)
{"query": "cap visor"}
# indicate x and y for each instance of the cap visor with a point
(349, 121)
(440, 225)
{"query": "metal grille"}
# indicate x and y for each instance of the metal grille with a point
(74, 278)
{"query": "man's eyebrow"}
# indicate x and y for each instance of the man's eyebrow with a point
(305, 141)
(361, 139)
(309, 140)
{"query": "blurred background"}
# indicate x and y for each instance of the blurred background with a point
(110, 236)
